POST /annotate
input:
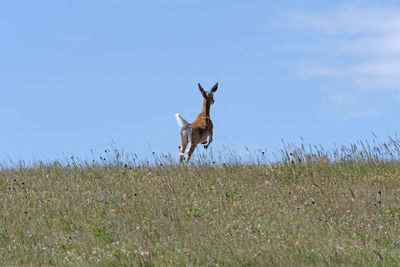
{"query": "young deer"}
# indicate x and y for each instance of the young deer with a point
(197, 131)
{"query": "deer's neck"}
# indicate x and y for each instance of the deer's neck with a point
(206, 107)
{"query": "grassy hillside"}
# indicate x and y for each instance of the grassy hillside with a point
(310, 208)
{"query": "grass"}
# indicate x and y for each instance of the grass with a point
(310, 207)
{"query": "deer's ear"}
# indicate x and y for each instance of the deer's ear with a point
(214, 89)
(202, 90)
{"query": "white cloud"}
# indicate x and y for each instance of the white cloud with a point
(345, 105)
(354, 44)
(382, 75)
(350, 19)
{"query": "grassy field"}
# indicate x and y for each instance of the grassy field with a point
(338, 208)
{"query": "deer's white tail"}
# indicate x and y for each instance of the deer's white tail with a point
(181, 121)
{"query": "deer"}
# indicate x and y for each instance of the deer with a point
(201, 128)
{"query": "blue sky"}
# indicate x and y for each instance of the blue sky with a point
(77, 75)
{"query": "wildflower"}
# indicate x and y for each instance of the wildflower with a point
(318, 220)
(29, 234)
(144, 253)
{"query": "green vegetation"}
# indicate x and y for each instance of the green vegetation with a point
(310, 208)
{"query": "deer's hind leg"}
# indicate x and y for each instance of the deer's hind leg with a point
(184, 137)
(190, 151)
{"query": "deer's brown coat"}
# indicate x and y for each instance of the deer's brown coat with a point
(202, 126)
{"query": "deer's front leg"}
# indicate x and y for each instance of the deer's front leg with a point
(209, 139)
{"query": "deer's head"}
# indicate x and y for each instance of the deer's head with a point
(209, 95)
